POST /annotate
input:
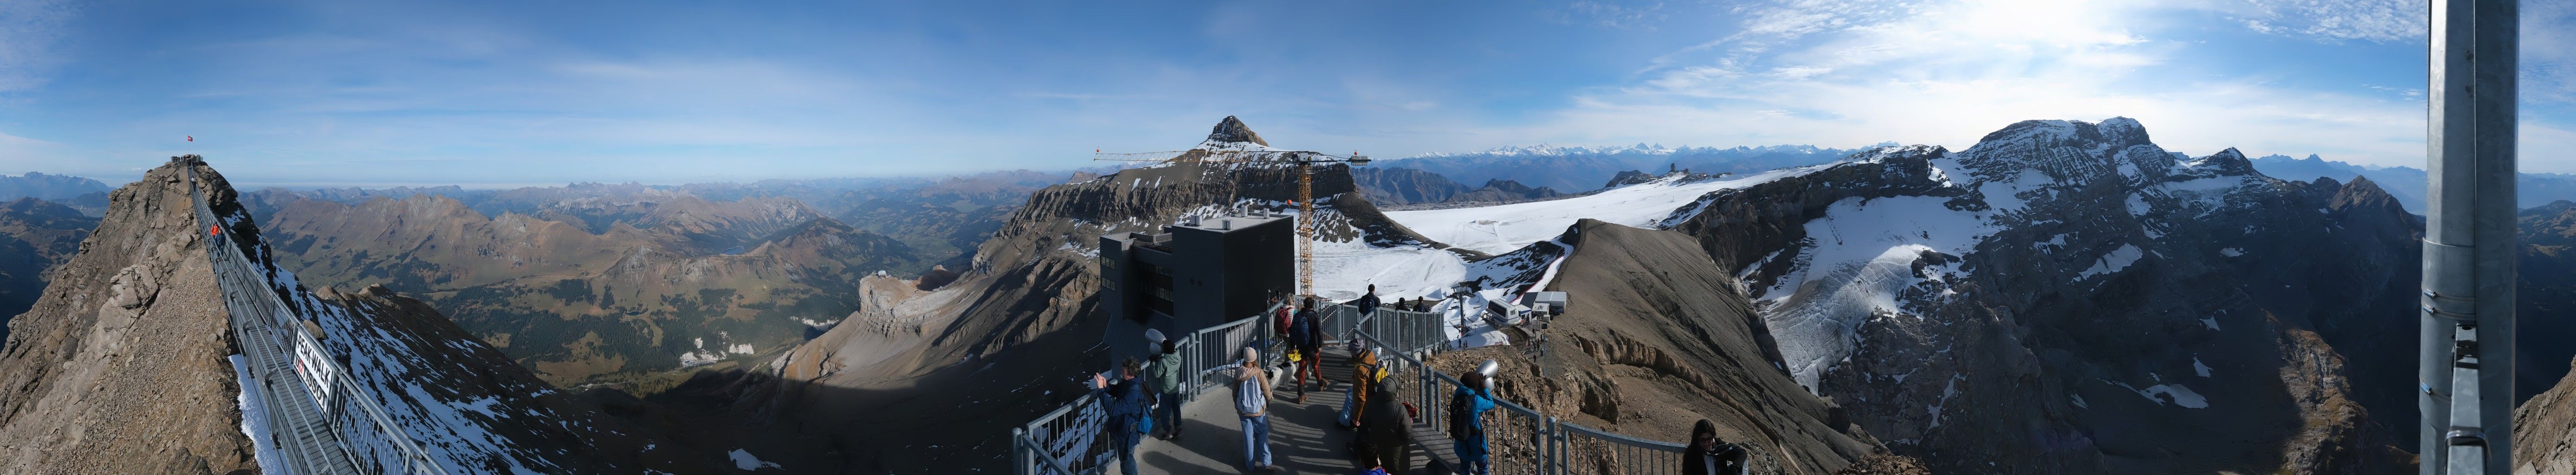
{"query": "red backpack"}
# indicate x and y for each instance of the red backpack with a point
(1284, 321)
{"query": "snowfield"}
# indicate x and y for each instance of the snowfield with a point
(1503, 228)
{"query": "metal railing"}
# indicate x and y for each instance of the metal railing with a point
(1066, 441)
(1407, 331)
(1520, 440)
(311, 422)
(1069, 441)
(1214, 350)
(1589, 451)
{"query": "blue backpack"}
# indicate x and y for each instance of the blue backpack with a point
(1145, 414)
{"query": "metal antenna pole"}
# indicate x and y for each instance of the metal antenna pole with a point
(2465, 369)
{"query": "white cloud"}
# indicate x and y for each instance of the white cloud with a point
(2549, 52)
(29, 32)
(2370, 20)
(1610, 14)
(1851, 73)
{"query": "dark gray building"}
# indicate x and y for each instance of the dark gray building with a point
(1193, 276)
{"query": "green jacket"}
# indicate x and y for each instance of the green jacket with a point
(1167, 373)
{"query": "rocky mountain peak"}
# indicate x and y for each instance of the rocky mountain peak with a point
(1232, 131)
(2119, 131)
(2069, 155)
(2230, 162)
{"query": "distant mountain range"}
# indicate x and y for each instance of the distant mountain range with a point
(2408, 183)
(1578, 169)
(47, 187)
(1401, 186)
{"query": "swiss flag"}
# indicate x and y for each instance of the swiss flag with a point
(192, 138)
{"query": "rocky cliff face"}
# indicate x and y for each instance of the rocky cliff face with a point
(122, 366)
(2067, 297)
(2544, 431)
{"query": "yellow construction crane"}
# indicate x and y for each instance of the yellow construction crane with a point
(1304, 162)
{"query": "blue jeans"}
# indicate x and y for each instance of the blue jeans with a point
(1349, 418)
(1475, 456)
(1256, 442)
(1477, 465)
(1169, 415)
(1126, 459)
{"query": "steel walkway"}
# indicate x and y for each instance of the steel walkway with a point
(305, 394)
(1305, 438)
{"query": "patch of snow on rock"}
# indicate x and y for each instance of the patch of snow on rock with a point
(2112, 262)
(744, 460)
(2181, 396)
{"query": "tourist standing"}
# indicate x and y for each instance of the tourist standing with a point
(1167, 387)
(1709, 455)
(1368, 302)
(1252, 405)
(1305, 335)
(1125, 401)
(1467, 408)
(1364, 372)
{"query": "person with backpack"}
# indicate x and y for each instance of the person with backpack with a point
(1381, 439)
(1367, 303)
(1167, 387)
(1709, 455)
(1467, 408)
(1365, 371)
(1126, 402)
(1305, 335)
(1252, 405)
(1281, 316)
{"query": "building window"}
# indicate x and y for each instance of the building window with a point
(1158, 289)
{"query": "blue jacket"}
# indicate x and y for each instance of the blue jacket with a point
(1367, 304)
(1301, 330)
(1125, 401)
(1474, 446)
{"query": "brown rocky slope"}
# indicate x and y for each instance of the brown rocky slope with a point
(120, 367)
(1651, 344)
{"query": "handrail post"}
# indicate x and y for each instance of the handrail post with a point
(1547, 448)
(1020, 451)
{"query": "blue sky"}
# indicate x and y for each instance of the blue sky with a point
(527, 93)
